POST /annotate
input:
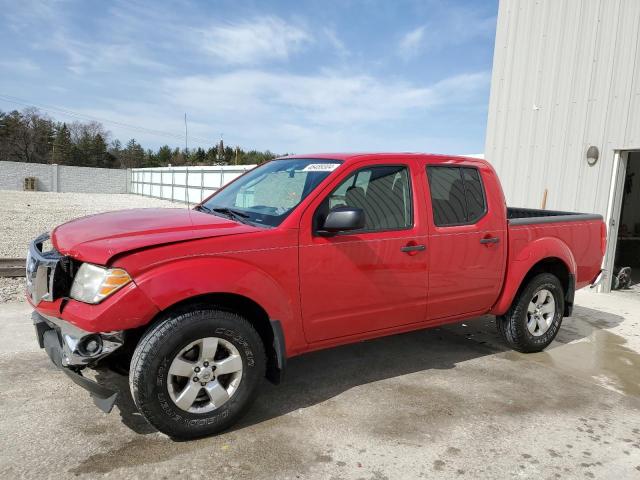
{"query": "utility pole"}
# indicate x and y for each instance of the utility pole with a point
(53, 153)
(186, 136)
(186, 166)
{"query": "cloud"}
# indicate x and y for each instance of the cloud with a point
(19, 65)
(83, 57)
(285, 112)
(329, 98)
(298, 82)
(335, 42)
(257, 41)
(454, 26)
(411, 42)
(19, 16)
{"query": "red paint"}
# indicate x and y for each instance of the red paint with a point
(325, 291)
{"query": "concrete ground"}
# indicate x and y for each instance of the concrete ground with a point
(444, 403)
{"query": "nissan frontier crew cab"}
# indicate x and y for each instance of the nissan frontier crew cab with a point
(299, 254)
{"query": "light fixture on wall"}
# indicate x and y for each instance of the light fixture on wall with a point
(593, 154)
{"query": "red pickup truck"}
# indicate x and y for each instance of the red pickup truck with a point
(299, 254)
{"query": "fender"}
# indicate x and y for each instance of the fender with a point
(518, 267)
(172, 282)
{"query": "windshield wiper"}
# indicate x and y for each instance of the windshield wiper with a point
(233, 214)
(202, 208)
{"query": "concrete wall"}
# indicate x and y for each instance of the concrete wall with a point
(62, 178)
(12, 175)
(566, 75)
(93, 180)
(183, 184)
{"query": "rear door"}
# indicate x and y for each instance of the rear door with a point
(366, 280)
(467, 241)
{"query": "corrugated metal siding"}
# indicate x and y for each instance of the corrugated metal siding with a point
(566, 75)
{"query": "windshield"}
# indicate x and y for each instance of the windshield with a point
(268, 194)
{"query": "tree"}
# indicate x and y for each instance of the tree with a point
(99, 151)
(115, 151)
(198, 156)
(229, 156)
(82, 150)
(164, 155)
(25, 137)
(255, 157)
(30, 136)
(178, 158)
(132, 155)
(62, 147)
(211, 156)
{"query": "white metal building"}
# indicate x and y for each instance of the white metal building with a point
(566, 77)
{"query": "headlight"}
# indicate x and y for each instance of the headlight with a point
(92, 283)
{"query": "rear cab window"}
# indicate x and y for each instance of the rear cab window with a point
(457, 195)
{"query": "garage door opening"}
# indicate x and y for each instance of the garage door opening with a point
(625, 239)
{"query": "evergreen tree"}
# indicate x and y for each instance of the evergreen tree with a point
(115, 152)
(132, 155)
(62, 147)
(164, 156)
(30, 136)
(199, 156)
(99, 150)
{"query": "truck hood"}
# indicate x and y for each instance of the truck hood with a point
(98, 238)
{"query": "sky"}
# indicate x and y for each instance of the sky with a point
(288, 76)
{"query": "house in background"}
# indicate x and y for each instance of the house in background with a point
(563, 129)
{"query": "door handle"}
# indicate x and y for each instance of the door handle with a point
(413, 248)
(489, 240)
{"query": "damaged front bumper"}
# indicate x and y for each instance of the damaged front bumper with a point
(72, 349)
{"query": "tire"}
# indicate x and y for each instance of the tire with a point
(523, 326)
(182, 340)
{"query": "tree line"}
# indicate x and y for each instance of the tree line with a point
(32, 137)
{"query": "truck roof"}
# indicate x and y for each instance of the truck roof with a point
(347, 157)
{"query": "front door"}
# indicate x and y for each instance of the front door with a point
(467, 242)
(369, 279)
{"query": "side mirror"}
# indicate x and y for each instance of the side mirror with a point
(342, 219)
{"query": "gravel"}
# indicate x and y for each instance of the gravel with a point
(12, 289)
(25, 215)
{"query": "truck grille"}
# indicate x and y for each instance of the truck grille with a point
(49, 274)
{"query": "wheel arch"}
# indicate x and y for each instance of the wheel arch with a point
(269, 330)
(549, 255)
(560, 270)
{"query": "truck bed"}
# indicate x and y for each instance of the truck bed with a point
(528, 216)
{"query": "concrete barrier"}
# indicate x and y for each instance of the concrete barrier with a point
(64, 178)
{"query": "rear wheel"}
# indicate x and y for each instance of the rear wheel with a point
(535, 316)
(196, 373)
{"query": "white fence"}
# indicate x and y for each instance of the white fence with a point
(183, 184)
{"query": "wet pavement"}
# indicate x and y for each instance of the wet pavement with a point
(451, 402)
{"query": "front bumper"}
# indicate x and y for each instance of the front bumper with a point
(63, 343)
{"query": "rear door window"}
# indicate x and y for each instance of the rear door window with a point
(474, 194)
(457, 195)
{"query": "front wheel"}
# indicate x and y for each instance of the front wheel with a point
(534, 318)
(195, 374)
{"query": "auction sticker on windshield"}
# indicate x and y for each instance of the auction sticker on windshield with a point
(321, 167)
